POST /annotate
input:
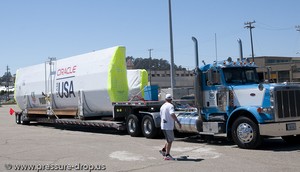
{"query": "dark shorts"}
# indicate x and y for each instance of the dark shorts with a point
(169, 135)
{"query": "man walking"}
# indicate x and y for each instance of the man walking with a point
(168, 118)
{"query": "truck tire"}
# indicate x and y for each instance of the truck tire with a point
(245, 133)
(133, 126)
(18, 118)
(148, 127)
(23, 120)
(293, 140)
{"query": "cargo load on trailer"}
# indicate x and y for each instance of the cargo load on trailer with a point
(137, 80)
(92, 80)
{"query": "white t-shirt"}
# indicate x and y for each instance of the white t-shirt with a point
(167, 122)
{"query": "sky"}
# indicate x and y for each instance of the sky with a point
(31, 31)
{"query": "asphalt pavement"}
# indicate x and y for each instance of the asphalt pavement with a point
(48, 147)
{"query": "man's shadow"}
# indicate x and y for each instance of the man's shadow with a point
(187, 158)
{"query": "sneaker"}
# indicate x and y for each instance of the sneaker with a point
(168, 157)
(162, 152)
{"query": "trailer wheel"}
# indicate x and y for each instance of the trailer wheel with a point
(23, 120)
(293, 140)
(133, 126)
(148, 127)
(18, 118)
(245, 133)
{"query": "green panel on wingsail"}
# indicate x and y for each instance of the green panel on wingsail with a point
(144, 80)
(117, 77)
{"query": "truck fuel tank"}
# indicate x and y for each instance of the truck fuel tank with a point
(190, 122)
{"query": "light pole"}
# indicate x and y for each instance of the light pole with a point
(172, 72)
(150, 65)
(250, 26)
(7, 83)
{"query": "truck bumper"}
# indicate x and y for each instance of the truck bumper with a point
(280, 129)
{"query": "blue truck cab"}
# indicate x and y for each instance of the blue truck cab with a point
(234, 104)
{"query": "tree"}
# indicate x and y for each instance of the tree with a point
(6, 77)
(147, 63)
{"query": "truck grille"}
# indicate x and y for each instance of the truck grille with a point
(287, 100)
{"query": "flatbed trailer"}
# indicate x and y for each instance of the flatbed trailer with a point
(118, 125)
(136, 117)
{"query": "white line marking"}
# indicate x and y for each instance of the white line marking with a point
(126, 156)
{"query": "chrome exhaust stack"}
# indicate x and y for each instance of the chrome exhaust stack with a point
(241, 49)
(198, 79)
(192, 122)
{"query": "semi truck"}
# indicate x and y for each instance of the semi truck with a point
(230, 101)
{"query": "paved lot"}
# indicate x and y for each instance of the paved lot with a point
(60, 148)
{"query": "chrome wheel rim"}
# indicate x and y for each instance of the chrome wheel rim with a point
(245, 133)
(147, 126)
(131, 125)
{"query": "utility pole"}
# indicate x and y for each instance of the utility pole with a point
(150, 65)
(7, 83)
(172, 72)
(249, 25)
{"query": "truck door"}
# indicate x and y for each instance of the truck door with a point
(215, 94)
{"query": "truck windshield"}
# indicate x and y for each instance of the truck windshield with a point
(240, 75)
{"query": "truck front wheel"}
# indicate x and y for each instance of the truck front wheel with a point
(245, 133)
(133, 126)
(148, 127)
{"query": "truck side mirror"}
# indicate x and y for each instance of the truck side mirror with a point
(213, 77)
